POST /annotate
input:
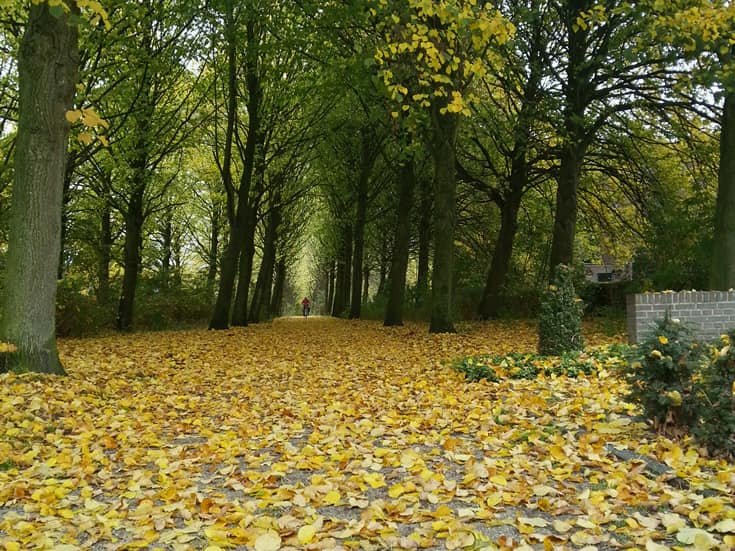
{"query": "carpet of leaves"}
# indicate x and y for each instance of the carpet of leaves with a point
(327, 434)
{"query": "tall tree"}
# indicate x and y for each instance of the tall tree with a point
(448, 44)
(48, 64)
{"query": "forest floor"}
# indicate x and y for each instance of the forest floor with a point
(327, 434)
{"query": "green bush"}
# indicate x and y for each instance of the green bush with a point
(78, 314)
(716, 426)
(662, 373)
(529, 366)
(560, 318)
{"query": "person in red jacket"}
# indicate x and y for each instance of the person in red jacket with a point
(306, 306)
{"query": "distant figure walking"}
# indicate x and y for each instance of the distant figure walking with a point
(306, 306)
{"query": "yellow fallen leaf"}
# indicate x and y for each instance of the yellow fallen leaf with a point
(725, 526)
(332, 498)
(499, 480)
(561, 526)
(269, 541)
(306, 534)
(493, 499)
(375, 480)
(396, 490)
(534, 521)
(460, 539)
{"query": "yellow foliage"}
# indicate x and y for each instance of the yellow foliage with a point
(327, 434)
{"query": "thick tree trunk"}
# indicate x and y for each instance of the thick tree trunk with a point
(490, 301)
(445, 191)
(722, 276)
(104, 253)
(578, 94)
(240, 308)
(48, 63)
(425, 221)
(238, 230)
(401, 246)
(131, 259)
(342, 283)
(260, 305)
(280, 282)
(367, 159)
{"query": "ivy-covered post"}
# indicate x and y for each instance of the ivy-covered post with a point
(560, 320)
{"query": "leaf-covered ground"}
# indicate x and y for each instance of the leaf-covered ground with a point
(325, 434)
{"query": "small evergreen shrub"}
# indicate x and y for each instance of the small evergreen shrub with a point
(662, 375)
(716, 426)
(560, 318)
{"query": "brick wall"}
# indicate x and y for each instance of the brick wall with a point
(710, 313)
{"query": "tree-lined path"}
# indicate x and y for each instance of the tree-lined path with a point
(333, 434)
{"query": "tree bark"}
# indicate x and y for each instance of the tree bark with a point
(578, 94)
(240, 307)
(401, 246)
(104, 253)
(425, 220)
(280, 281)
(490, 301)
(237, 240)
(214, 234)
(722, 276)
(444, 128)
(66, 196)
(261, 302)
(342, 283)
(367, 159)
(48, 64)
(330, 287)
(131, 257)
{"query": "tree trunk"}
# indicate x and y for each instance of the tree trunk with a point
(48, 63)
(213, 251)
(66, 196)
(280, 281)
(367, 159)
(167, 253)
(330, 288)
(445, 191)
(722, 275)
(365, 284)
(260, 306)
(131, 258)
(385, 258)
(104, 253)
(490, 301)
(401, 246)
(342, 283)
(425, 219)
(240, 308)
(578, 94)
(238, 230)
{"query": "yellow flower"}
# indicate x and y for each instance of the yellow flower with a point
(656, 354)
(663, 340)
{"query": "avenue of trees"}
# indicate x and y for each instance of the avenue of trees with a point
(170, 161)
